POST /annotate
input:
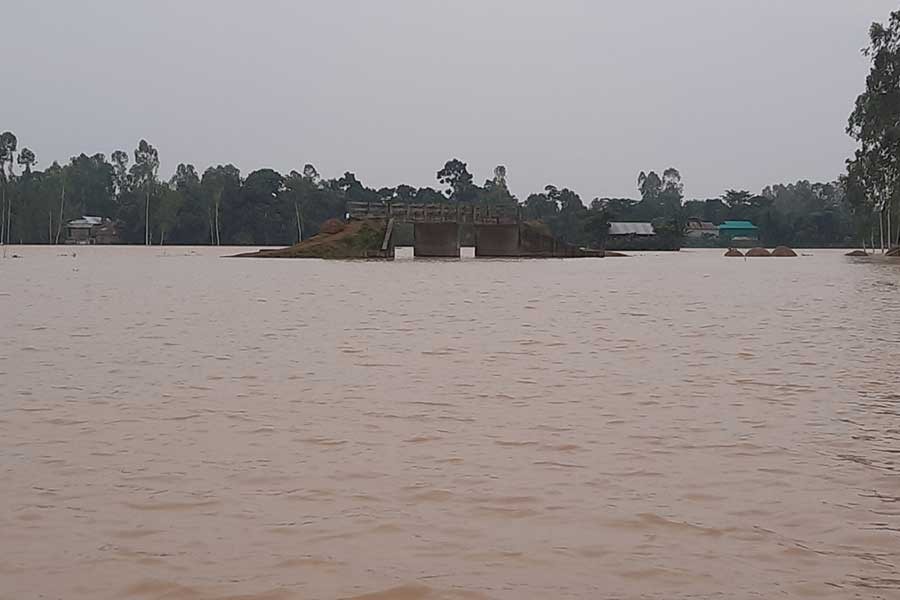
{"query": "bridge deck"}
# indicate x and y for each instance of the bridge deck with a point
(402, 212)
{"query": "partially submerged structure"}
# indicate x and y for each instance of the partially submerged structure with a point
(701, 230)
(631, 230)
(631, 236)
(738, 233)
(440, 229)
(434, 230)
(91, 230)
(641, 236)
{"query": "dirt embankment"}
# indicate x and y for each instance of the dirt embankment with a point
(357, 239)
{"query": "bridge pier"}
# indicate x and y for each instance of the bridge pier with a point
(497, 240)
(437, 240)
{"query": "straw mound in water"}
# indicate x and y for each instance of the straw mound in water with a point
(758, 252)
(783, 251)
(734, 252)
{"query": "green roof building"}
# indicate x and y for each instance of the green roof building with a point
(744, 230)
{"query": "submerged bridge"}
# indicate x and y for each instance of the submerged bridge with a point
(440, 229)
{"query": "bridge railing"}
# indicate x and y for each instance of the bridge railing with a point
(464, 213)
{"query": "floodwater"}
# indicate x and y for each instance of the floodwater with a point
(179, 426)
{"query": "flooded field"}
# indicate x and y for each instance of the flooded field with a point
(175, 425)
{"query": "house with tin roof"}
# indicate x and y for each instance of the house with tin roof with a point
(738, 231)
(91, 230)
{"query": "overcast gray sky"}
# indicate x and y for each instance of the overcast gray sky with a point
(578, 93)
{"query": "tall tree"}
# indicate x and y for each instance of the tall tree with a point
(8, 145)
(456, 176)
(496, 191)
(144, 174)
(265, 216)
(120, 173)
(218, 185)
(191, 225)
(596, 224)
(171, 201)
(310, 174)
(26, 194)
(91, 186)
(671, 197)
(875, 121)
(27, 159)
(650, 186)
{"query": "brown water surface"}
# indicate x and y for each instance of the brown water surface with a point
(177, 426)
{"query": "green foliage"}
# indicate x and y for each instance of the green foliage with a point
(269, 208)
(596, 225)
(496, 191)
(27, 159)
(873, 174)
(456, 175)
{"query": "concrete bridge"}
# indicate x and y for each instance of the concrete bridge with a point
(439, 230)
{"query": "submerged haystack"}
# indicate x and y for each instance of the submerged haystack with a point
(857, 253)
(783, 251)
(734, 252)
(758, 252)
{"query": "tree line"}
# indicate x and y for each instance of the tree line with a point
(265, 207)
(221, 206)
(872, 181)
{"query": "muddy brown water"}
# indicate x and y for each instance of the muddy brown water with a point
(177, 426)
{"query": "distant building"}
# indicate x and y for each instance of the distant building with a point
(738, 231)
(697, 229)
(635, 236)
(631, 230)
(91, 230)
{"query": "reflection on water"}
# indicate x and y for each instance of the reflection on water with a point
(175, 425)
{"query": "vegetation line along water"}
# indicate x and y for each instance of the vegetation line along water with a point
(266, 207)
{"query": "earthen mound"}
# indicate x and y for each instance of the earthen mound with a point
(332, 226)
(357, 239)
